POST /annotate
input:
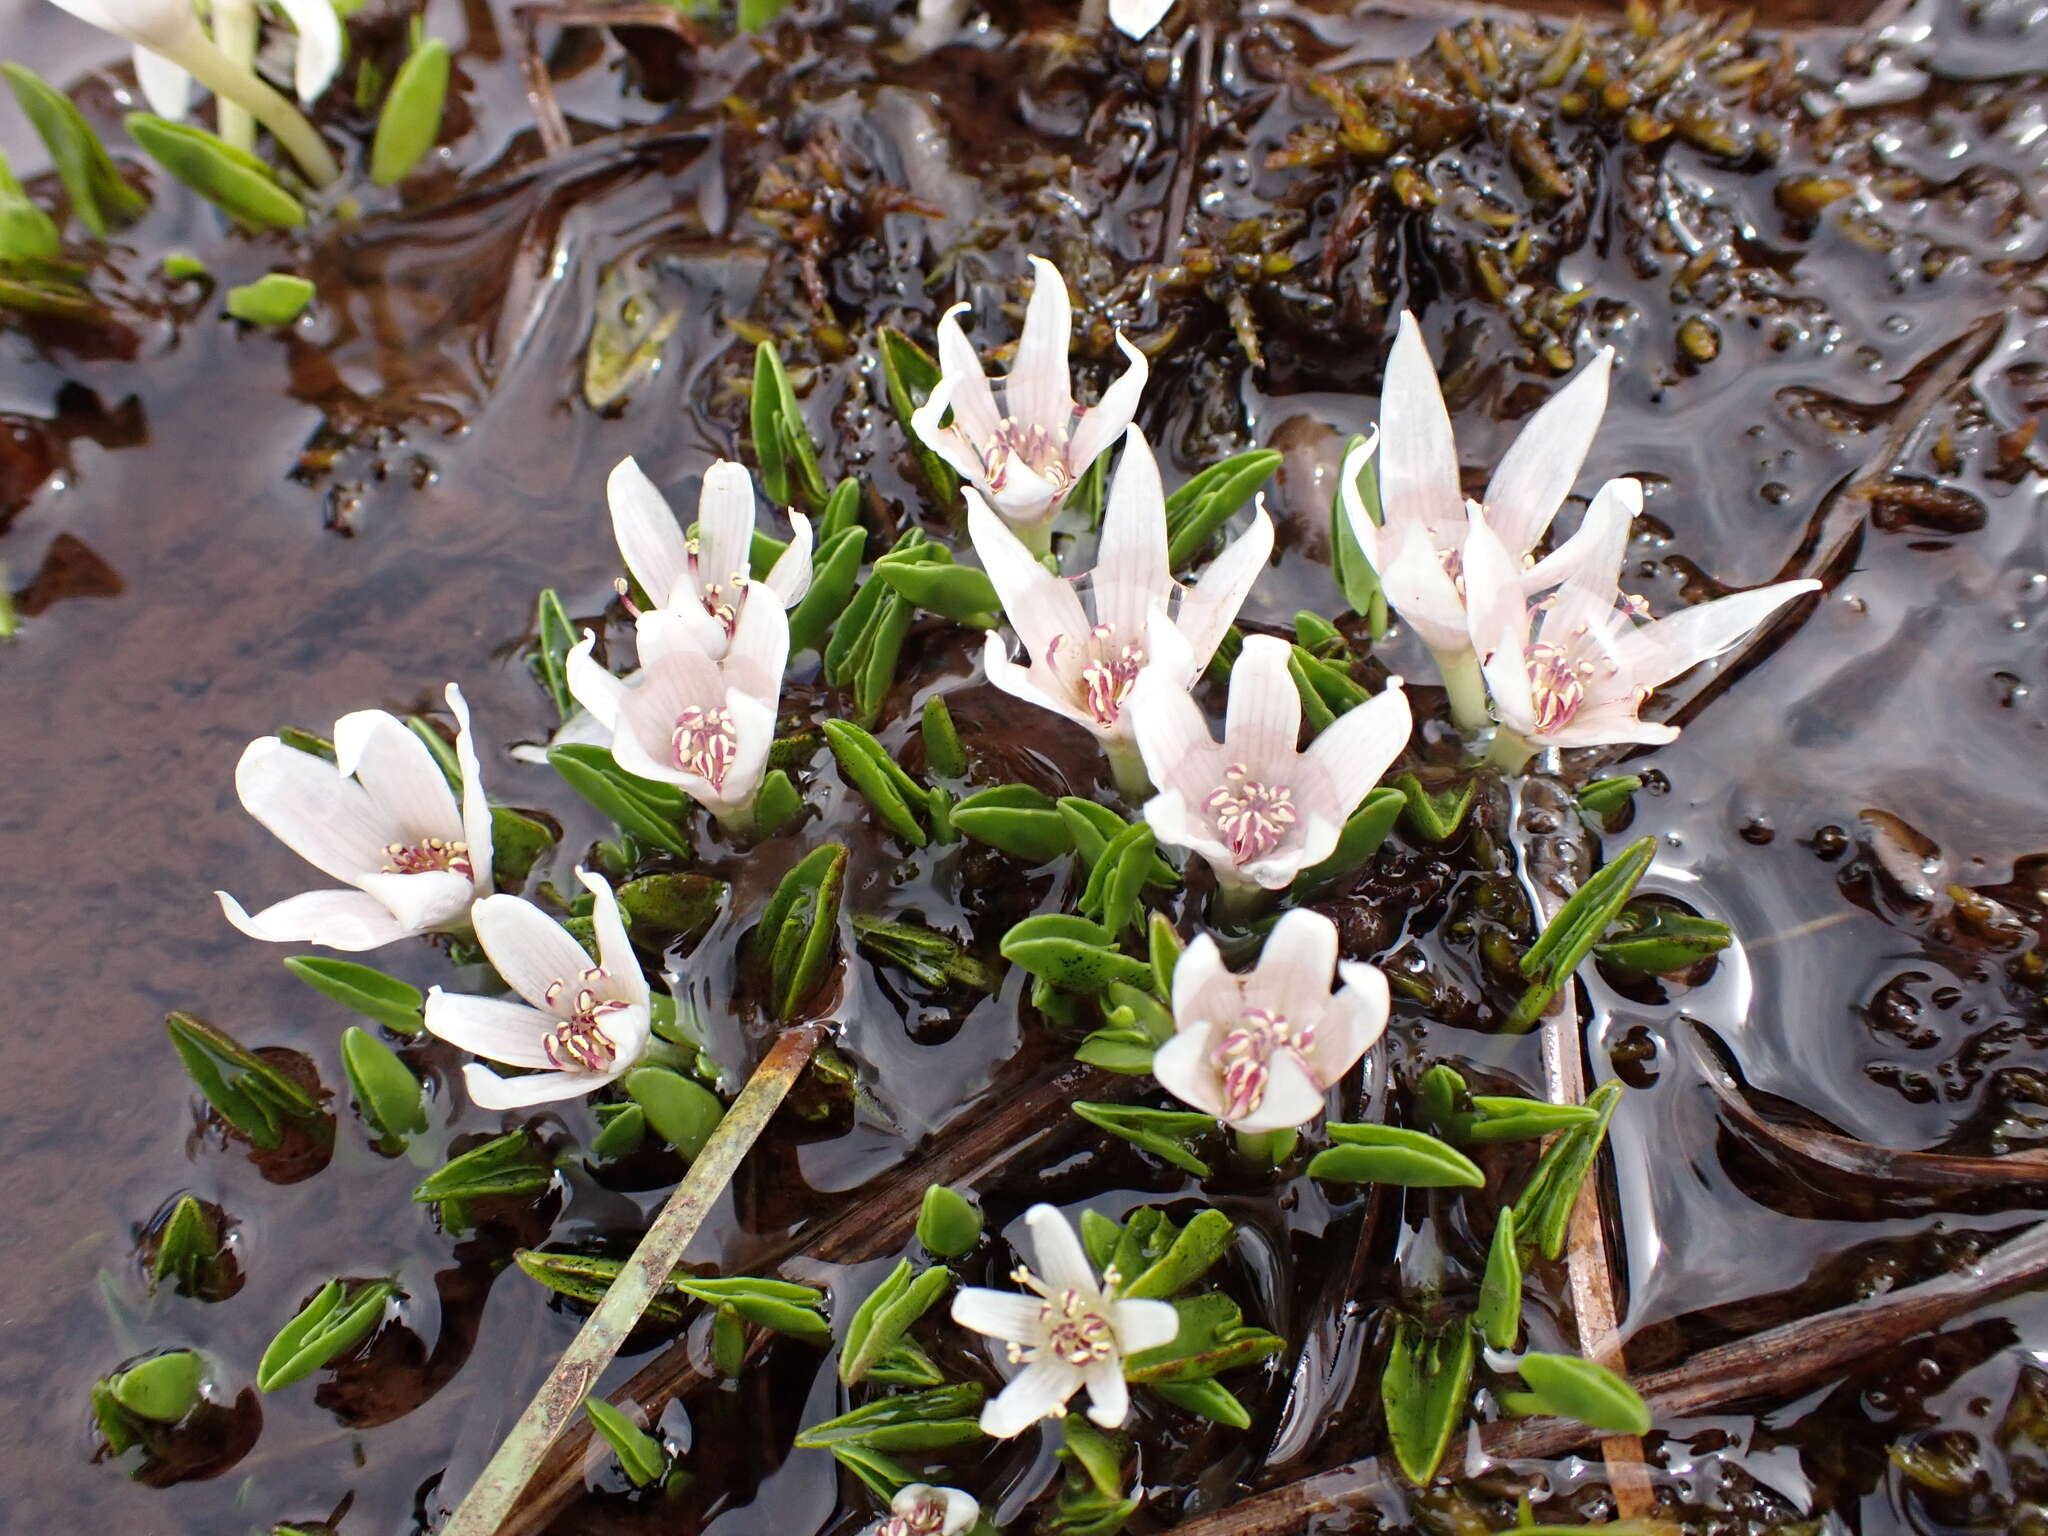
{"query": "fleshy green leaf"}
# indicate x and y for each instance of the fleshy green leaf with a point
(245, 1090)
(393, 1003)
(506, 1166)
(1569, 937)
(881, 780)
(231, 179)
(411, 119)
(276, 298)
(798, 935)
(681, 1112)
(909, 375)
(1015, 819)
(390, 1098)
(1436, 816)
(1603, 797)
(1193, 1252)
(1213, 1338)
(1544, 1208)
(585, 1278)
(1167, 1133)
(1208, 1398)
(1164, 946)
(28, 235)
(835, 571)
(948, 1223)
(1355, 575)
(780, 1305)
(1499, 1315)
(1424, 1393)
(1205, 503)
(943, 754)
(782, 442)
(639, 1453)
(188, 1249)
(163, 1388)
(880, 1322)
(1585, 1390)
(1386, 1154)
(957, 592)
(548, 661)
(650, 812)
(932, 958)
(101, 199)
(676, 908)
(621, 1130)
(1364, 833)
(339, 1317)
(1655, 941)
(1072, 953)
(912, 1421)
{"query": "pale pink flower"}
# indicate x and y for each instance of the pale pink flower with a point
(919, 1509)
(1135, 18)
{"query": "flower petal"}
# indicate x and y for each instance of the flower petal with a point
(1005, 1315)
(1040, 1391)
(1360, 745)
(319, 52)
(1597, 547)
(975, 415)
(1499, 620)
(1183, 1068)
(1295, 968)
(753, 725)
(1038, 391)
(593, 687)
(790, 577)
(344, 920)
(1060, 1259)
(1353, 1020)
(165, 86)
(328, 820)
(529, 949)
(426, 902)
(490, 1026)
(1536, 473)
(1363, 528)
(1419, 485)
(623, 977)
(1131, 581)
(476, 807)
(1143, 1325)
(1199, 968)
(1029, 684)
(1658, 652)
(649, 538)
(1105, 421)
(402, 776)
(1136, 18)
(1180, 756)
(1263, 721)
(487, 1090)
(1291, 1098)
(1025, 496)
(1210, 605)
(725, 527)
(1040, 606)
(760, 652)
(1109, 1397)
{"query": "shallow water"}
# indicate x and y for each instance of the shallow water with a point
(217, 533)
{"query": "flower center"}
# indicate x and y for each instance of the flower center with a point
(428, 856)
(1556, 687)
(928, 1518)
(1074, 1328)
(1245, 1057)
(579, 1043)
(1109, 677)
(1042, 450)
(721, 598)
(1251, 817)
(1453, 562)
(705, 743)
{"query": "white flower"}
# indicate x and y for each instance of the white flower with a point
(1135, 18)
(1026, 456)
(1083, 663)
(171, 46)
(1572, 669)
(1259, 811)
(1261, 1050)
(380, 818)
(1417, 554)
(1070, 1333)
(702, 724)
(703, 580)
(919, 1509)
(583, 1024)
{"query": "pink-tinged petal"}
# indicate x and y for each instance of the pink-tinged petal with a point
(593, 687)
(962, 1509)
(648, 536)
(1581, 615)
(725, 526)
(1295, 968)
(1025, 496)
(1499, 624)
(165, 86)
(426, 902)
(623, 977)
(1658, 652)
(1136, 18)
(1421, 590)
(1363, 529)
(1597, 547)
(1419, 485)
(403, 778)
(1105, 421)
(1609, 724)
(1029, 684)
(1291, 1098)
(490, 1026)
(967, 389)
(1143, 1325)
(529, 949)
(1040, 1391)
(644, 738)
(1199, 969)
(753, 724)
(1038, 391)
(1210, 605)
(1179, 754)
(1040, 606)
(319, 50)
(1180, 822)
(1005, 1315)
(1264, 718)
(790, 577)
(1183, 1069)
(476, 806)
(950, 442)
(487, 1090)
(1109, 1397)
(1353, 1020)
(326, 819)
(344, 920)
(1056, 1252)
(760, 651)
(1131, 580)
(1536, 473)
(1360, 745)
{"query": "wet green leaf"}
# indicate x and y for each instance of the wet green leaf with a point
(777, 805)
(639, 1453)
(245, 1090)
(585, 1278)
(835, 571)
(59, 300)
(1603, 797)
(629, 327)
(1208, 1398)
(411, 119)
(180, 266)
(1193, 1251)
(393, 1003)
(932, 958)
(1072, 953)
(1119, 876)
(1544, 1208)
(798, 936)
(841, 514)
(728, 1343)
(1424, 1392)
(1569, 937)
(101, 199)
(1213, 1338)
(904, 1364)
(27, 233)
(758, 15)
(1363, 835)
(548, 661)
(188, 1249)
(681, 1112)
(163, 1388)
(1355, 575)
(943, 754)
(1499, 1314)
(674, 908)
(1387, 1154)
(506, 1166)
(883, 1475)
(650, 812)
(116, 1425)
(1094, 827)
(1466, 1119)
(1657, 941)
(1136, 1024)
(957, 592)
(948, 1223)
(881, 1321)
(779, 1305)
(882, 782)
(1205, 503)
(339, 1317)
(1324, 685)
(1581, 1389)
(911, 1421)
(909, 374)
(621, 1130)
(1015, 819)
(517, 843)
(390, 1098)
(782, 442)
(1091, 1500)
(276, 298)
(231, 179)
(1167, 1133)
(1435, 816)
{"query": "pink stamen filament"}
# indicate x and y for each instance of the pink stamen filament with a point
(1076, 1330)
(928, 1519)
(1252, 818)
(705, 744)
(579, 1043)
(1043, 450)
(721, 598)
(1245, 1058)
(1109, 678)
(429, 855)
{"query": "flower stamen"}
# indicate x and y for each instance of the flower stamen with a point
(1041, 449)
(1252, 818)
(429, 855)
(1109, 678)
(705, 744)
(1245, 1057)
(579, 1043)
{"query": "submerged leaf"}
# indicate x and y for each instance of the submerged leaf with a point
(1423, 1390)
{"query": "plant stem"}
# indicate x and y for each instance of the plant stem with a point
(498, 1487)
(1267, 1149)
(232, 82)
(1510, 752)
(1128, 767)
(234, 31)
(1237, 902)
(1036, 537)
(1466, 685)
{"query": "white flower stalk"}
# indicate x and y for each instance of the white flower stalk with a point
(1418, 553)
(1574, 668)
(1260, 1051)
(703, 580)
(581, 1024)
(700, 723)
(1025, 455)
(1087, 655)
(919, 1509)
(381, 819)
(172, 46)
(1259, 811)
(1070, 1332)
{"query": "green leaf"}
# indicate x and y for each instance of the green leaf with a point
(835, 571)
(276, 298)
(1386, 1154)
(1167, 1133)
(957, 592)
(1364, 833)
(1512, 1119)
(1569, 937)
(879, 1323)
(1205, 503)
(909, 375)
(1355, 575)
(639, 1453)
(1584, 1390)
(674, 908)
(943, 754)
(1436, 817)
(1118, 878)
(911, 1421)
(882, 782)
(1330, 687)
(393, 1003)
(163, 1388)
(101, 199)
(1164, 947)
(549, 659)
(621, 1130)
(779, 1305)
(842, 512)
(1094, 827)
(1210, 1398)
(904, 1364)
(932, 958)
(777, 805)
(1543, 1210)
(798, 935)
(948, 1223)
(116, 1424)
(1194, 1251)
(245, 1090)
(1655, 941)
(338, 1318)
(27, 233)
(1015, 819)
(1424, 1391)
(411, 119)
(884, 1476)
(231, 179)
(179, 266)
(851, 636)
(1213, 1338)
(585, 1278)
(1072, 953)
(517, 843)
(681, 1112)
(1136, 1025)
(1091, 1501)
(505, 1166)
(1603, 797)
(758, 15)
(646, 811)
(188, 1249)
(1499, 1314)
(1314, 710)
(392, 1102)
(782, 442)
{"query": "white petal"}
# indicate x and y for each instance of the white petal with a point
(962, 1510)
(1536, 473)
(1360, 745)
(760, 652)
(1109, 1398)
(1177, 823)
(1040, 606)
(1143, 1325)
(1005, 1315)
(529, 949)
(326, 819)
(1353, 1020)
(1419, 484)
(1210, 606)
(1609, 724)
(1421, 590)
(1059, 1258)
(1179, 754)
(753, 724)
(490, 1091)
(1264, 718)
(593, 687)
(673, 681)
(1031, 685)
(1135, 18)
(1183, 1068)
(1295, 968)
(476, 808)
(1499, 624)
(345, 920)
(649, 539)
(165, 25)
(423, 903)
(1037, 391)
(1104, 422)
(1131, 579)
(165, 86)
(967, 389)
(950, 442)
(1291, 1098)
(1025, 496)
(1363, 528)
(403, 777)
(490, 1026)
(1596, 548)
(790, 577)
(1658, 652)
(1199, 968)
(319, 50)
(725, 524)
(1040, 1391)
(623, 977)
